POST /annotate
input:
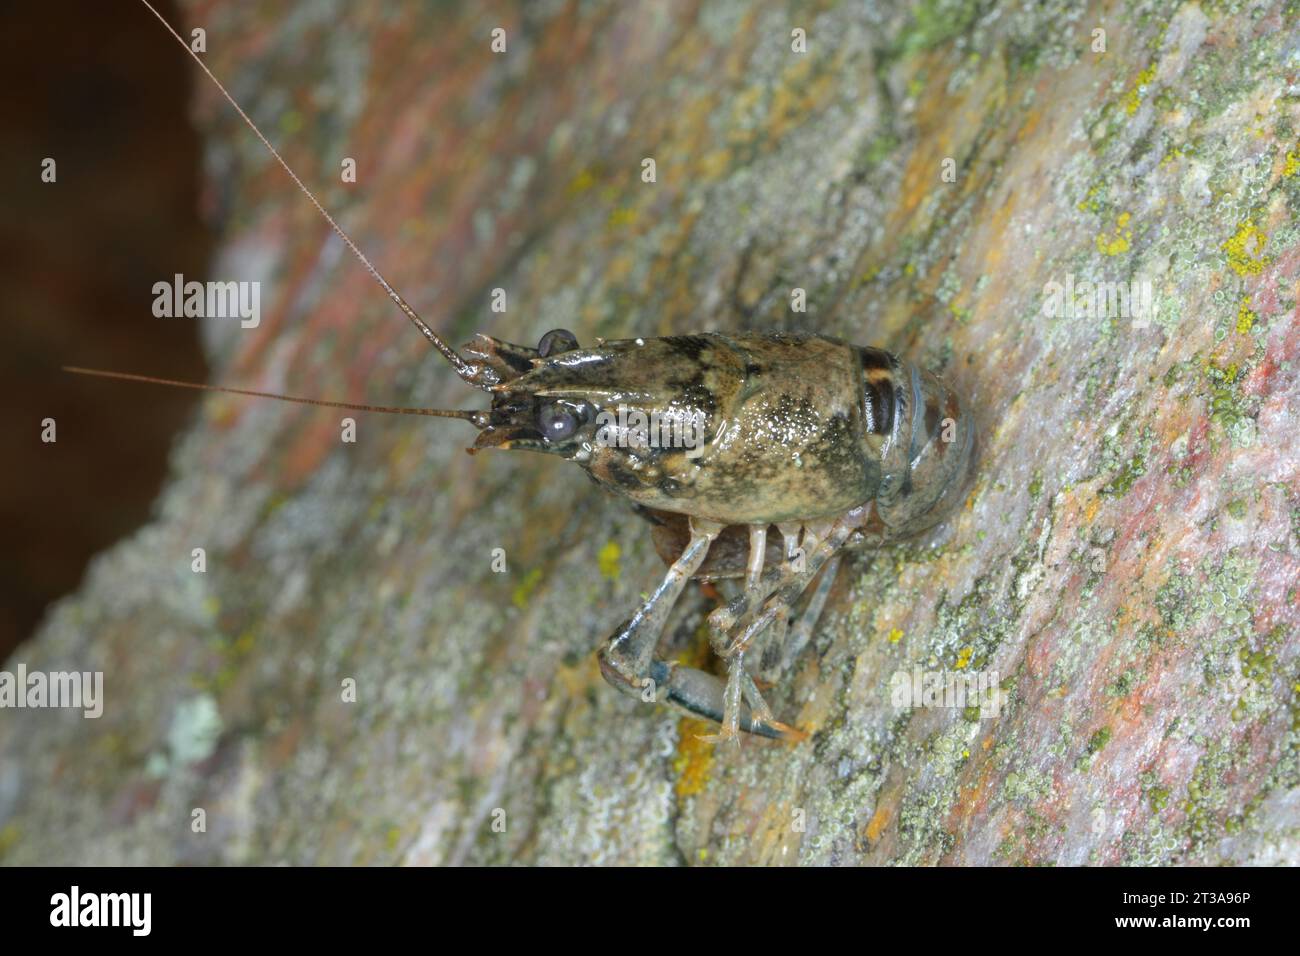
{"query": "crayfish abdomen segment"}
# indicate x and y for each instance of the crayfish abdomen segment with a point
(928, 458)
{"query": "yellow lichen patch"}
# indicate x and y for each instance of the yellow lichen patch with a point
(525, 588)
(1090, 202)
(1292, 164)
(622, 216)
(877, 824)
(869, 275)
(607, 560)
(713, 164)
(8, 837)
(1133, 99)
(581, 182)
(694, 760)
(782, 111)
(291, 122)
(895, 635)
(696, 654)
(1216, 372)
(243, 644)
(1246, 250)
(1113, 243)
(1245, 317)
(574, 680)
(964, 656)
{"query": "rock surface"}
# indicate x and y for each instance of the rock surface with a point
(1127, 564)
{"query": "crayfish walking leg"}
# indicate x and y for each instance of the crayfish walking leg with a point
(627, 660)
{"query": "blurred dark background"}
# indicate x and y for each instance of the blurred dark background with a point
(87, 84)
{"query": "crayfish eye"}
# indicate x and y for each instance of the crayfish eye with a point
(557, 422)
(556, 341)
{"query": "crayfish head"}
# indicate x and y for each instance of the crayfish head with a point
(520, 417)
(618, 409)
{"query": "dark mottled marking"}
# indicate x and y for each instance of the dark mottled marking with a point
(656, 518)
(697, 396)
(880, 404)
(688, 345)
(834, 445)
(752, 369)
(877, 360)
(518, 361)
(623, 476)
(670, 486)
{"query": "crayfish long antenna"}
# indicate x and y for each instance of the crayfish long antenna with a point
(478, 419)
(466, 370)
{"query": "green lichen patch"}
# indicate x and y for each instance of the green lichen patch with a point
(1126, 464)
(1230, 408)
(936, 22)
(1098, 740)
(1214, 606)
